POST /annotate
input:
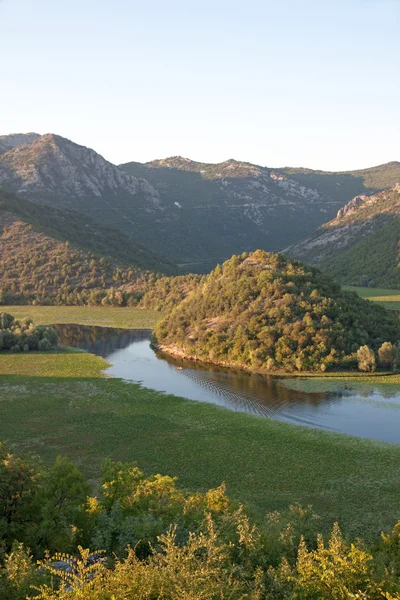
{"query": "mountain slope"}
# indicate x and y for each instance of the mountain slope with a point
(362, 244)
(56, 255)
(8, 142)
(344, 185)
(263, 312)
(54, 171)
(192, 213)
(248, 206)
(238, 205)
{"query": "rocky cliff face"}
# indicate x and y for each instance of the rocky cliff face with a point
(52, 167)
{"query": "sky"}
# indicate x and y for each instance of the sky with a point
(312, 83)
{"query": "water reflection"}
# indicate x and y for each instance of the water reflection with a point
(101, 341)
(363, 411)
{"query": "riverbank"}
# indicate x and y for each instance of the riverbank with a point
(380, 376)
(62, 403)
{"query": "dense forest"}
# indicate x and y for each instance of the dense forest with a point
(152, 540)
(264, 312)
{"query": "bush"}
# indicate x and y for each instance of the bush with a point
(388, 355)
(17, 335)
(44, 345)
(366, 359)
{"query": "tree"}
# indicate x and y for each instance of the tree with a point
(388, 355)
(366, 359)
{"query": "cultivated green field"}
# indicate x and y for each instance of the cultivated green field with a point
(389, 299)
(132, 318)
(61, 404)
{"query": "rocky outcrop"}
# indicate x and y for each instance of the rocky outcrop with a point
(52, 166)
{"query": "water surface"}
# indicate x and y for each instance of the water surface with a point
(373, 413)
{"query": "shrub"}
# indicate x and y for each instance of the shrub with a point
(366, 359)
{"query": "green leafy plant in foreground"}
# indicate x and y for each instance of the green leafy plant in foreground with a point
(185, 545)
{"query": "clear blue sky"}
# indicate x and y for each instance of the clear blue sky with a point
(286, 82)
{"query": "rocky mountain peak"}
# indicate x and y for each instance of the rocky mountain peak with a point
(51, 165)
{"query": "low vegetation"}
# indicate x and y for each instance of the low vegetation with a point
(388, 298)
(152, 539)
(62, 403)
(125, 318)
(265, 313)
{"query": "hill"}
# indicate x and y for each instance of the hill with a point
(361, 245)
(262, 312)
(59, 255)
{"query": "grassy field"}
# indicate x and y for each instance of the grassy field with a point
(132, 318)
(389, 299)
(61, 404)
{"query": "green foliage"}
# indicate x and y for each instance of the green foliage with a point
(77, 232)
(219, 189)
(372, 260)
(61, 257)
(361, 245)
(17, 335)
(388, 355)
(167, 292)
(205, 547)
(366, 359)
(264, 312)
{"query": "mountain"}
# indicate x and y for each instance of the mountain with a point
(361, 246)
(191, 213)
(237, 206)
(263, 312)
(245, 206)
(59, 255)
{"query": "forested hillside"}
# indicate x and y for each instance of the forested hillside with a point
(263, 312)
(51, 255)
(361, 245)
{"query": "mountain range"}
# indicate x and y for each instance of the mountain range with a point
(190, 213)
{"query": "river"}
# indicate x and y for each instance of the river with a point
(364, 411)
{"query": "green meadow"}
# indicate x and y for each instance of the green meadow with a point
(389, 299)
(105, 316)
(62, 403)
